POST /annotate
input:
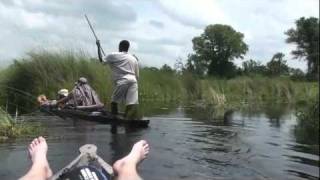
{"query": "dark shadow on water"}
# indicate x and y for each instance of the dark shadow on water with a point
(302, 175)
(302, 160)
(303, 148)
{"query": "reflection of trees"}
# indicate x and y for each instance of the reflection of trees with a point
(307, 129)
(223, 115)
(275, 112)
(215, 114)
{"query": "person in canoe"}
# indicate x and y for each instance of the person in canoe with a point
(45, 103)
(125, 168)
(125, 74)
(82, 96)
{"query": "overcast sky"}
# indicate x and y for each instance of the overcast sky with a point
(160, 31)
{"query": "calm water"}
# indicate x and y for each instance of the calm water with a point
(186, 143)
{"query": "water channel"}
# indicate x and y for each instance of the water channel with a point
(186, 143)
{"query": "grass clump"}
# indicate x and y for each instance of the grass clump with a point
(10, 128)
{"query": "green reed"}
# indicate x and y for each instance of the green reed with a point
(12, 128)
(44, 72)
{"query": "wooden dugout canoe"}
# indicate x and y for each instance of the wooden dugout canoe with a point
(102, 117)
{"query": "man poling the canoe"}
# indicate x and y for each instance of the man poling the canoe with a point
(125, 74)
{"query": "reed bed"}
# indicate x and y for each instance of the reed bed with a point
(45, 72)
(12, 128)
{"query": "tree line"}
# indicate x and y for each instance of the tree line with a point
(219, 45)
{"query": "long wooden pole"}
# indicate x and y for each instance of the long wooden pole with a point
(94, 33)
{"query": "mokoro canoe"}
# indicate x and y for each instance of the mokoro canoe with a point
(103, 117)
(88, 165)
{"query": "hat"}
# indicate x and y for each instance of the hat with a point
(82, 80)
(63, 92)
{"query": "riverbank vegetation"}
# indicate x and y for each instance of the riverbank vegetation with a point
(12, 128)
(308, 123)
(47, 72)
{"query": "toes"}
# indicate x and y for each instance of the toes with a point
(38, 140)
(146, 152)
(30, 146)
(29, 150)
(146, 146)
(33, 144)
(143, 142)
(41, 139)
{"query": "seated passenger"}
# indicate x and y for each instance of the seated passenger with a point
(62, 93)
(47, 104)
(42, 100)
(83, 96)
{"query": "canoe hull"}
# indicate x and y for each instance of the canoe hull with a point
(102, 117)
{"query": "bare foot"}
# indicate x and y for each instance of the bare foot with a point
(38, 153)
(128, 164)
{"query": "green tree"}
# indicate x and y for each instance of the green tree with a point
(166, 68)
(306, 36)
(179, 67)
(277, 66)
(296, 74)
(215, 49)
(196, 65)
(253, 67)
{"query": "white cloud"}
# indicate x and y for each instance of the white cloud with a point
(160, 30)
(193, 13)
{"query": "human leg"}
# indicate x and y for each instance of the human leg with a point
(118, 95)
(132, 101)
(114, 108)
(40, 168)
(131, 112)
(126, 168)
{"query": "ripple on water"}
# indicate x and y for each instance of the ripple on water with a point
(182, 147)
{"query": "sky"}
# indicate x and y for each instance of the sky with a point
(160, 31)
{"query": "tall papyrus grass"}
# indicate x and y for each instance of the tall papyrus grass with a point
(44, 72)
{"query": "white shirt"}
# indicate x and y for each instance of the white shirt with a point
(123, 66)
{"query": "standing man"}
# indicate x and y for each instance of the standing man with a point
(125, 73)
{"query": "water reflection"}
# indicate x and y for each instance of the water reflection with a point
(186, 143)
(269, 132)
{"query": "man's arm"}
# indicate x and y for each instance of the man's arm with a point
(99, 51)
(65, 99)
